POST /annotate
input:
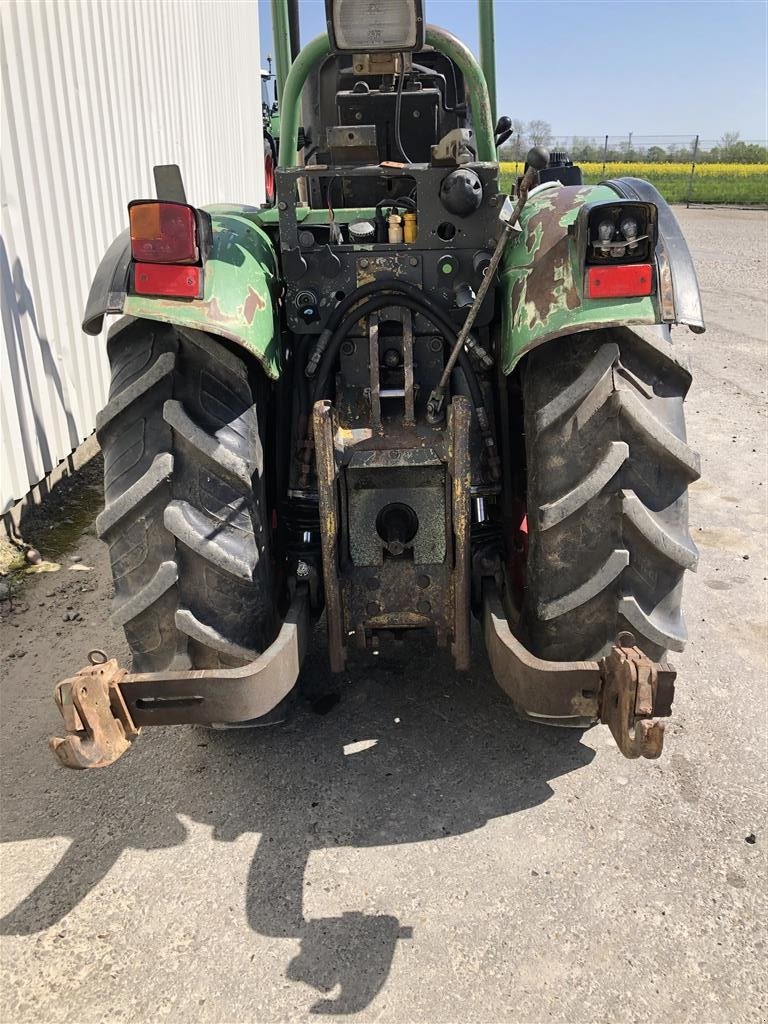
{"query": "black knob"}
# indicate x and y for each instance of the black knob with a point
(306, 304)
(461, 192)
(481, 261)
(537, 158)
(463, 295)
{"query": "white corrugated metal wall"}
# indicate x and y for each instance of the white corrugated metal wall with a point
(94, 93)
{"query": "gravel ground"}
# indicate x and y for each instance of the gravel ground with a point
(416, 854)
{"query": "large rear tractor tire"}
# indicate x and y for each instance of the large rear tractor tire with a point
(608, 473)
(185, 513)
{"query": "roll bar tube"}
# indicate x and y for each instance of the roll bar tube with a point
(485, 21)
(281, 35)
(320, 47)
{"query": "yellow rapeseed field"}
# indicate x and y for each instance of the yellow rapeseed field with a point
(712, 183)
(643, 170)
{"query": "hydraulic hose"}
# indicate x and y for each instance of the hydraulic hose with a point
(373, 287)
(417, 304)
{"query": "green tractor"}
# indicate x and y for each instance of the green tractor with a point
(397, 395)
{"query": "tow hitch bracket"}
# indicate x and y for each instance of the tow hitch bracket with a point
(99, 725)
(634, 689)
(625, 690)
(104, 707)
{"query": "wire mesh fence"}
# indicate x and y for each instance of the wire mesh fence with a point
(685, 168)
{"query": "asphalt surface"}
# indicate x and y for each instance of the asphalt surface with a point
(416, 853)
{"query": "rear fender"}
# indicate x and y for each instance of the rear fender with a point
(542, 279)
(241, 288)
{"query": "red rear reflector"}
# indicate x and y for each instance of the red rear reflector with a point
(163, 232)
(623, 282)
(161, 279)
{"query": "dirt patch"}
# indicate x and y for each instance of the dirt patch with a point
(55, 525)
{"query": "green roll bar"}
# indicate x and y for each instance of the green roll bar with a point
(485, 20)
(320, 47)
(282, 41)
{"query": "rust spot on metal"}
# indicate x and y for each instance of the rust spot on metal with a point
(550, 285)
(215, 312)
(461, 473)
(634, 689)
(322, 415)
(99, 726)
(253, 303)
(518, 290)
(626, 689)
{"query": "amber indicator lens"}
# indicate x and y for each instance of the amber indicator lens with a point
(163, 232)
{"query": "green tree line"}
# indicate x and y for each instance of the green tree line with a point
(729, 149)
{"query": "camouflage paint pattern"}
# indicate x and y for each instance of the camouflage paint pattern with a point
(542, 277)
(241, 286)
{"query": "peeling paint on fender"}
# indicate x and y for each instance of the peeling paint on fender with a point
(542, 277)
(241, 287)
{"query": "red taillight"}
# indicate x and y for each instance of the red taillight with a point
(622, 282)
(161, 279)
(163, 232)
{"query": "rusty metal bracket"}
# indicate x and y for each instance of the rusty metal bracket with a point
(634, 690)
(104, 707)
(461, 478)
(99, 725)
(625, 690)
(327, 487)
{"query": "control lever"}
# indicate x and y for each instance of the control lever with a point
(536, 160)
(503, 130)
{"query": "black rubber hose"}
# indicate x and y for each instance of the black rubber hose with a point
(336, 317)
(417, 305)
(404, 201)
(449, 334)
(438, 317)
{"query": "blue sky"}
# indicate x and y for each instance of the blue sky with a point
(594, 68)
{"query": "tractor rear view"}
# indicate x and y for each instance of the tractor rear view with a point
(397, 396)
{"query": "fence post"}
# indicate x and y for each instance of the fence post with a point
(605, 153)
(693, 171)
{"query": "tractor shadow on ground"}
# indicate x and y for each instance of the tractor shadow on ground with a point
(449, 756)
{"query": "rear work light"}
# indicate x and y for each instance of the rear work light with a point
(163, 232)
(375, 26)
(619, 282)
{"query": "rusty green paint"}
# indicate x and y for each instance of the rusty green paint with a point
(241, 286)
(542, 278)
